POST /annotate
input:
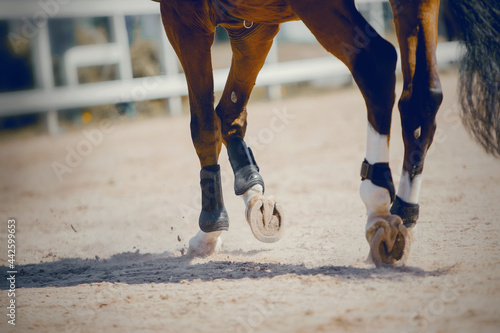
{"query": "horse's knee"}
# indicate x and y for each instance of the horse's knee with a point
(233, 118)
(435, 98)
(422, 101)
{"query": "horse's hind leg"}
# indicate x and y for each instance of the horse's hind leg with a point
(250, 48)
(416, 26)
(341, 29)
(191, 34)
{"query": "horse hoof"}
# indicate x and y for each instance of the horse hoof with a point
(204, 244)
(390, 241)
(266, 219)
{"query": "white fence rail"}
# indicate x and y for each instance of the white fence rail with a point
(48, 98)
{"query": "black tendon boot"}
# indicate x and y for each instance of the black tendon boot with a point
(407, 211)
(246, 171)
(213, 215)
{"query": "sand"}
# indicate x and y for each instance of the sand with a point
(101, 248)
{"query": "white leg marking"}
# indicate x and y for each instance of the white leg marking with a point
(377, 146)
(251, 192)
(382, 227)
(376, 198)
(409, 190)
(205, 244)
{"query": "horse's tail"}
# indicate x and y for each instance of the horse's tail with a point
(478, 25)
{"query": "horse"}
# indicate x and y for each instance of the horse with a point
(338, 26)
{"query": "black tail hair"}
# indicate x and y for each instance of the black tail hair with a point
(478, 23)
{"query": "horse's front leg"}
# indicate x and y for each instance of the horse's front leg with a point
(191, 33)
(250, 47)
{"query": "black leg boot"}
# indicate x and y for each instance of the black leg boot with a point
(246, 171)
(213, 215)
(407, 211)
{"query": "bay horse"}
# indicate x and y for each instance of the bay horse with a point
(339, 27)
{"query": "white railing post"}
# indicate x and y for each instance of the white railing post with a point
(376, 17)
(44, 73)
(119, 31)
(274, 91)
(171, 68)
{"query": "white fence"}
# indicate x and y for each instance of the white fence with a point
(48, 98)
